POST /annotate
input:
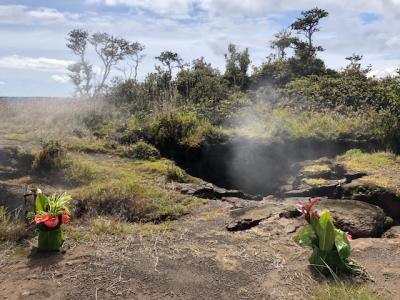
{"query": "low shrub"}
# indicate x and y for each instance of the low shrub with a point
(185, 129)
(141, 150)
(174, 173)
(51, 157)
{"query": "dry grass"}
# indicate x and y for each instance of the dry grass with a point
(315, 181)
(316, 169)
(383, 168)
(103, 225)
(11, 227)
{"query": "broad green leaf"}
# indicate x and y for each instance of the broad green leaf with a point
(325, 231)
(317, 260)
(306, 236)
(342, 244)
(41, 202)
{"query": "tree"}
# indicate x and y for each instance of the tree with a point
(111, 50)
(170, 60)
(282, 41)
(133, 59)
(354, 65)
(237, 65)
(81, 73)
(201, 84)
(307, 25)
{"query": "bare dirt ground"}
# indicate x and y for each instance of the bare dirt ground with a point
(194, 257)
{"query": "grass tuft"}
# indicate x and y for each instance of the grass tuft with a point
(11, 228)
(315, 181)
(343, 292)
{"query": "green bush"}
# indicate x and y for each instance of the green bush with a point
(142, 150)
(185, 129)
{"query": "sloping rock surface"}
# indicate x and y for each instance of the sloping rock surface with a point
(357, 218)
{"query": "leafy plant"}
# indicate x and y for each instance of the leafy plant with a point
(331, 246)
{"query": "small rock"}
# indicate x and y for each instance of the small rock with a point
(392, 233)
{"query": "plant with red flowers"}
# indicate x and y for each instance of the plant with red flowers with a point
(51, 212)
(331, 246)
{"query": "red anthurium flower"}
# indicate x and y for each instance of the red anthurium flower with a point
(65, 218)
(52, 222)
(41, 218)
(306, 208)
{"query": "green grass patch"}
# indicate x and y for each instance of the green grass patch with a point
(343, 292)
(130, 191)
(260, 122)
(20, 137)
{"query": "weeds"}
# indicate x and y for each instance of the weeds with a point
(11, 227)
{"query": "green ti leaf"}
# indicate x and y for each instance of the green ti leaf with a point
(41, 202)
(306, 237)
(325, 231)
(342, 244)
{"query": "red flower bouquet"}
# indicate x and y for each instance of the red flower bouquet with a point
(51, 213)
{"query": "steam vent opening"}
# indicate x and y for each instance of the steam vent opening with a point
(255, 167)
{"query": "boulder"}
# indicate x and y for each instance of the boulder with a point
(359, 219)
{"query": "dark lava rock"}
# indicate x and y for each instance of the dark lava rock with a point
(359, 219)
(331, 190)
(11, 196)
(350, 176)
(210, 191)
(366, 192)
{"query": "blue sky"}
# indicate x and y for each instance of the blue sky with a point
(33, 56)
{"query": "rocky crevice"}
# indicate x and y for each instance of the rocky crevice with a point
(359, 209)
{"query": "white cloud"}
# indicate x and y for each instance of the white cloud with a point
(2, 83)
(61, 78)
(20, 14)
(38, 64)
(381, 73)
(174, 8)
